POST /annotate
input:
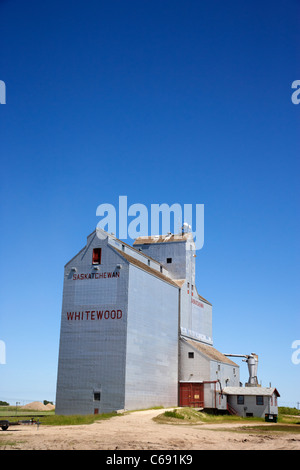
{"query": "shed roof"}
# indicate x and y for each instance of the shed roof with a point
(253, 391)
(210, 352)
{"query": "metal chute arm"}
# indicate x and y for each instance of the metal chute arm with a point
(237, 355)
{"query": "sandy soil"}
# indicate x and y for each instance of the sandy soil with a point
(137, 431)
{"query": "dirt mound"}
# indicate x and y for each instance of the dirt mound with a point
(35, 405)
(50, 407)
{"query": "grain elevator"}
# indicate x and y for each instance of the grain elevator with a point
(135, 332)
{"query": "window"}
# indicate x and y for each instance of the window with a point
(123, 247)
(148, 262)
(97, 256)
(97, 396)
(169, 260)
(191, 355)
(259, 400)
(161, 269)
(240, 399)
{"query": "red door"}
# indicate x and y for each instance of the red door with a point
(192, 395)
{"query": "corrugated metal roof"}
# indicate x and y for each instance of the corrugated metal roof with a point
(146, 268)
(163, 238)
(179, 282)
(210, 352)
(204, 300)
(265, 391)
(174, 282)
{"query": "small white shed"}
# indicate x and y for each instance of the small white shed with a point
(252, 401)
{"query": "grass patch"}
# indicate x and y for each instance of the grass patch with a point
(190, 416)
(173, 414)
(178, 416)
(273, 428)
(159, 407)
(193, 416)
(284, 410)
(287, 419)
(49, 418)
(8, 443)
(73, 420)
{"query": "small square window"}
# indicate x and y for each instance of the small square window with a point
(97, 396)
(259, 400)
(240, 399)
(191, 355)
(97, 256)
(169, 260)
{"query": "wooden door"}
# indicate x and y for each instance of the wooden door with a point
(192, 395)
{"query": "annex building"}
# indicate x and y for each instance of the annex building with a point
(135, 332)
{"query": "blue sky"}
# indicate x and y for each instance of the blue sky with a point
(165, 102)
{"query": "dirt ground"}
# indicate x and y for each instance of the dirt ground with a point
(137, 431)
